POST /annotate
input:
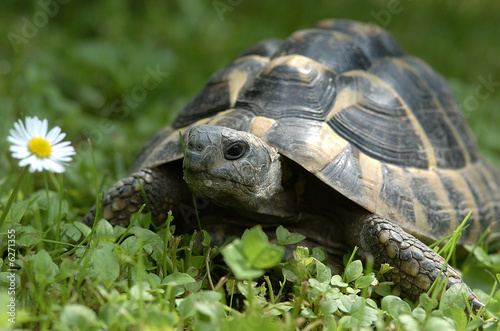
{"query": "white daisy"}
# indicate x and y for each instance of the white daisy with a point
(40, 150)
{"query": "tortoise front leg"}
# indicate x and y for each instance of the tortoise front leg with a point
(165, 190)
(415, 265)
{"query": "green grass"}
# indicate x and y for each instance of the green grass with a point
(79, 69)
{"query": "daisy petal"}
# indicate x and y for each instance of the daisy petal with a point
(15, 139)
(61, 151)
(53, 166)
(19, 152)
(54, 134)
(43, 129)
(34, 163)
(17, 149)
(31, 126)
(21, 131)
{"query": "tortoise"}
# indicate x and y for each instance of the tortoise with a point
(334, 132)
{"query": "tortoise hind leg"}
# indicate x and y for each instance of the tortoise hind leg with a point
(415, 265)
(164, 187)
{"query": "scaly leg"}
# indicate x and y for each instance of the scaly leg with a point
(164, 187)
(415, 265)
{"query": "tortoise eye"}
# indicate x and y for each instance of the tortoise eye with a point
(235, 151)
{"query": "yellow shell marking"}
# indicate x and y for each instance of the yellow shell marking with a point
(237, 79)
(261, 125)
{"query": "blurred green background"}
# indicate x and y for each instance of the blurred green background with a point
(77, 63)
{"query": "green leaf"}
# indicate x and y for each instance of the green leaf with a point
(71, 232)
(104, 231)
(68, 268)
(482, 256)
(436, 323)
(248, 291)
(145, 235)
(18, 209)
(347, 323)
(131, 245)
(78, 317)
(458, 315)
(426, 302)
(320, 254)
(314, 283)
(353, 271)
(301, 253)
(384, 268)
(251, 320)
(236, 261)
(5, 280)
(323, 273)
(408, 322)
(494, 305)
(29, 237)
(44, 269)
(383, 290)
(83, 228)
(331, 323)
(476, 323)
(290, 273)
(345, 304)
(106, 264)
(329, 307)
(270, 257)
(419, 314)
(362, 312)
(398, 307)
(206, 238)
(17, 227)
(213, 311)
(454, 296)
(257, 250)
(308, 313)
(254, 241)
(178, 278)
(286, 238)
(337, 281)
(395, 306)
(186, 307)
(365, 281)
(140, 291)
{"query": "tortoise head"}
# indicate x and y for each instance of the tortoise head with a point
(237, 170)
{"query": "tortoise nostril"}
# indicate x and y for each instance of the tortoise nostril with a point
(195, 146)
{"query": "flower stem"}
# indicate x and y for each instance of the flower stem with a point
(59, 216)
(47, 194)
(13, 195)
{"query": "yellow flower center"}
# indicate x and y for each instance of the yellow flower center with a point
(40, 147)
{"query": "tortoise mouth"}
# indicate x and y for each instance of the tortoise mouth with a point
(222, 191)
(199, 179)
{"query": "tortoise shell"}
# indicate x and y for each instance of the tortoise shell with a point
(345, 102)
